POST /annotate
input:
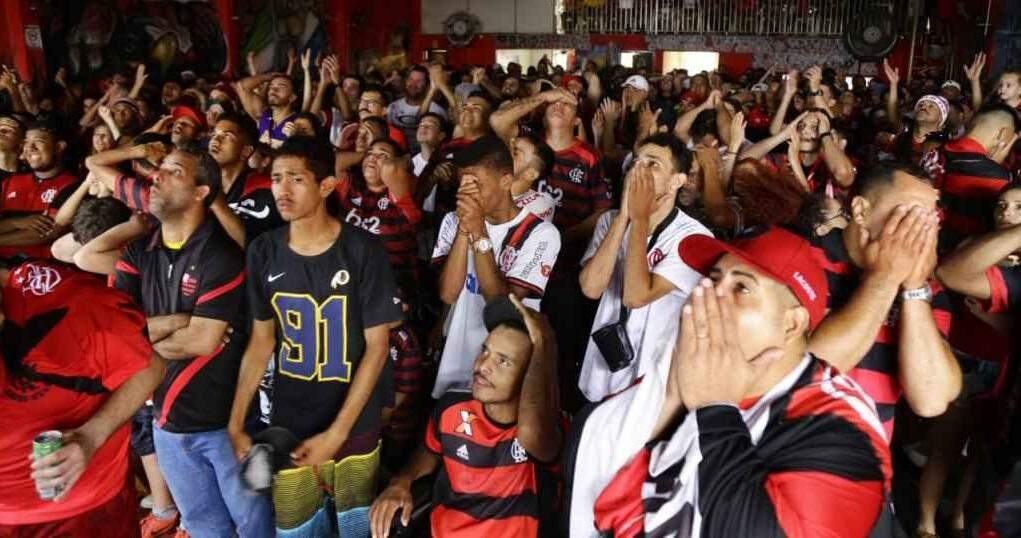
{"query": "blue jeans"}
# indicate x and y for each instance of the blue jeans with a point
(204, 477)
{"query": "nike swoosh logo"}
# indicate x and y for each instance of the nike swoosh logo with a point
(274, 277)
(256, 214)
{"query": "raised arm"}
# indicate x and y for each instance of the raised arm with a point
(597, 271)
(438, 83)
(327, 76)
(846, 334)
(682, 129)
(964, 271)
(101, 254)
(892, 105)
(479, 78)
(974, 74)
(763, 147)
(789, 89)
(306, 90)
(505, 120)
(253, 102)
(140, 78)
(641, 286)
(836, 160)
(539, 428)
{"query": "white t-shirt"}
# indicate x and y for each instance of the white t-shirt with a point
(405, 117)
(611, 435)
(527, 266)
(541, 204)
(418, 163)
(652, 328)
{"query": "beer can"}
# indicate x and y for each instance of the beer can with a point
(43, 445)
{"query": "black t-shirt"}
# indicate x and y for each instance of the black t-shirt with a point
(321, 305)
(204, 278)
(251, 198)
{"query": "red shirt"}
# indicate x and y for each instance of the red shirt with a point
(25, 194)
(66, 323)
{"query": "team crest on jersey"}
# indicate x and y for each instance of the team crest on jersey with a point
(48, 195)
(655, 257)
(340, 278)
(189, 284)
(507, 257)
(576, 174)
(39, 280)
(383, 203)
(517, 452)
(465, 426)
(545, 269)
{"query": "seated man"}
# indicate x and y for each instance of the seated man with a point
(495, 444)
(75, 358)
(29, 201)
(755, 436)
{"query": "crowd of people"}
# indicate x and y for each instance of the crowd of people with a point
(492, 301)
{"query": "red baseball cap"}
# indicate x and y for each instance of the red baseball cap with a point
(782, 255)
(572, 78)
(184, 111)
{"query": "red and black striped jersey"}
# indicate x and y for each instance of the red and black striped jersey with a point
(392, 219)
(969, 182)
(808, 458)
(203, 278)
(877, 372)
(27, 194)
(488, 484)
(578, 187)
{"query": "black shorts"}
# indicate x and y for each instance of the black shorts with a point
(141, 431)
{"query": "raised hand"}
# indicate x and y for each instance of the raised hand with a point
(814, 76)
(708, 366)
(737, 131)
(791, 84)
(974, 71)
(892, 73)
(306, 59)
(611, 110)
(437, 77)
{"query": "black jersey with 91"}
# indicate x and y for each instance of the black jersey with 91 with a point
(321, 305)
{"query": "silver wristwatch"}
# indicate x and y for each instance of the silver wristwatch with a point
(482, 245)
(918, 294)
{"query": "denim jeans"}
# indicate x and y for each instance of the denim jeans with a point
(204, 476)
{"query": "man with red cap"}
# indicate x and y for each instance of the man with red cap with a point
(188, 125)
(755, 435)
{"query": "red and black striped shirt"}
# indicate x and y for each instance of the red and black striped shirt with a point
(578, 187)
(877, 372)
(813, 464)
(392, 219)
(488, 484)
(968, 181)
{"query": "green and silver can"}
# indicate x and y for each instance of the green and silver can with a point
(43, 445)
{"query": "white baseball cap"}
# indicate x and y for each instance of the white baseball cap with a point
(637, 82)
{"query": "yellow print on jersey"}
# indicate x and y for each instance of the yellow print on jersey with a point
(313, 346)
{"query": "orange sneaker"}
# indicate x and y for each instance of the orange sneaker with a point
(159, 528)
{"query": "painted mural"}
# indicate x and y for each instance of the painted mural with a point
(271, 28)
(102, 36)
